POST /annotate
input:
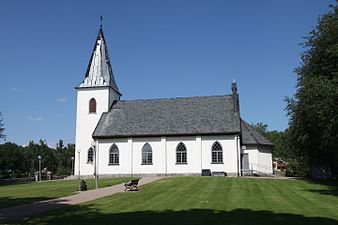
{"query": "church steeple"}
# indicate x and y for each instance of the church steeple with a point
(99, 71)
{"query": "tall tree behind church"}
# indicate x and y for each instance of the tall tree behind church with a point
(63, 156)
(313, 111)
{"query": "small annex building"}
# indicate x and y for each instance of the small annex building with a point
(168, 136)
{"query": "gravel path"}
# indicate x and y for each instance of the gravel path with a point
(21, 211)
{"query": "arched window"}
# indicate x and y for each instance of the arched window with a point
(147, 154)
(114, 155)
(92, 105)
(181, 153)
(216, 153)
(90, 155)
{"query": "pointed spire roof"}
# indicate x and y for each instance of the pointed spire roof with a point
(99, 71)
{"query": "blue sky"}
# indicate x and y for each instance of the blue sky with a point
(157, 49)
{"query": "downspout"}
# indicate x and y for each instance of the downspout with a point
(132, 156)
(78, 151)
(166, 156)
(238, 163)
(201, 153)
(98, 161)
(95, 165)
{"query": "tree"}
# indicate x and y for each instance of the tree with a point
(18, 161)
(11, 160)
(47, 156)
(63, 156)
(261, 128)
(313, 111)
(2, 128)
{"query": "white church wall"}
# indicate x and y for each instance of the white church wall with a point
(104, 167)
(86, 123)
(265, 159)
(193, 165)
(229, 146)
(158, 152)
(164, 156)
(252, 152)
(260, 158)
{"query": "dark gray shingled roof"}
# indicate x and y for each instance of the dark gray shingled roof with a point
(251, 137)
(169, 117)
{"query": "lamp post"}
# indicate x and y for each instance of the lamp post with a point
(72, 158)
(39, 157)
(95, 172)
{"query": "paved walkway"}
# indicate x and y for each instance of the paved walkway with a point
(17, 212)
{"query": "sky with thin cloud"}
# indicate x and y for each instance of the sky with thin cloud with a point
(157, 49)
(35, 118)
(61, 100)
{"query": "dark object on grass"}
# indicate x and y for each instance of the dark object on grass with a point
(131, 185)
(206, 172)
(83, 185)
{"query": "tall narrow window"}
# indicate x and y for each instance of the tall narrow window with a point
(181, 153)
(147, 154)
(90, 155)
(216, 153)
(92, 105)
(114, 155)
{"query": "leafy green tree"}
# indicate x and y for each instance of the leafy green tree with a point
(278, 138)
(18, 161)
(11, 158)
(33, 150)
(313, 111)
(63, 154)
(2, 128)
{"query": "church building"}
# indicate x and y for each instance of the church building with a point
(202, 135)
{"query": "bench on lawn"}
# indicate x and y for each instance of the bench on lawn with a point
(132, 185)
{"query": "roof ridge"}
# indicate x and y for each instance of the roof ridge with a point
(187, 97)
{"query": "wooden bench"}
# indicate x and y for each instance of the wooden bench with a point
(219, 174)
(131, 185)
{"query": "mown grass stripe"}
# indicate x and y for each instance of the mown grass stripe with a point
(17, 194)
(207, 200)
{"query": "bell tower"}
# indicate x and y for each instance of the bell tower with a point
(95, 95)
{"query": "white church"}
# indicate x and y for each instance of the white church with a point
(166, 136)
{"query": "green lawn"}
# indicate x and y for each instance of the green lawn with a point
(17, 194)
(208, 200)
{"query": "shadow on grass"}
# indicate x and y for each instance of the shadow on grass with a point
(89, 215)
(6, 202)
(325, 187)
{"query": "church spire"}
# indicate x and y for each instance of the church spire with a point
(99, 71)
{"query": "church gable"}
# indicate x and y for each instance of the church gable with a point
(170, 117)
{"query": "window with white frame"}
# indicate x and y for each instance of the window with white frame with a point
(216, 153)
(181, 154)
(114, 155)
(90, 155)
(147, 154)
